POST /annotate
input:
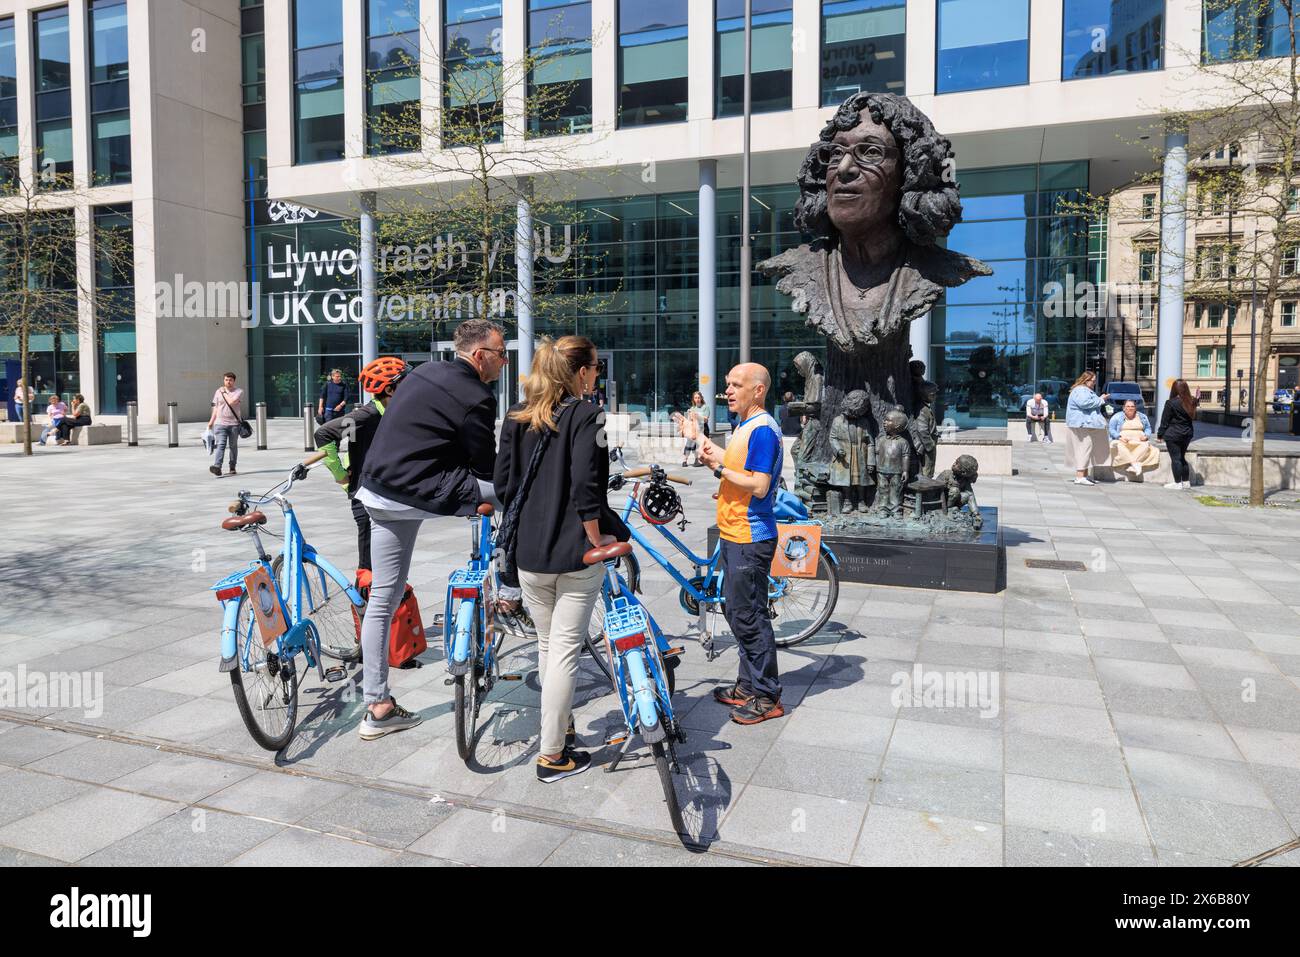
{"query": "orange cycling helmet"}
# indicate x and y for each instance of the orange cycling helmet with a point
(381, 373)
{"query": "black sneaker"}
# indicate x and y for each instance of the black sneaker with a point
(570, 763)
(519, 621)
(231, 471)
(215, 470)
(570, 735)
(733, 696)
(756, 710)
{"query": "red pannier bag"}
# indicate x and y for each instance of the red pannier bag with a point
(406, 634)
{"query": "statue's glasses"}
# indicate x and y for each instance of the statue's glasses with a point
(864, 154)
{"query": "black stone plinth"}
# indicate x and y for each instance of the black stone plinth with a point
(974, 563)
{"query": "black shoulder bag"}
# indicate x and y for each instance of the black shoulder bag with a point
(245, 429)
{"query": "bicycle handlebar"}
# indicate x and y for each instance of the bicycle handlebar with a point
(644, 472)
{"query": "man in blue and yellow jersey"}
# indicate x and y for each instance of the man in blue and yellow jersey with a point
(750, 468)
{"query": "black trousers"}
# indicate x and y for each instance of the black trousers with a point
(67, 424)
(744, 588)
(1177, 449)
(362, 518)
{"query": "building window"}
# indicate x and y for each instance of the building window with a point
(1146, 362)
(1148, 205)
(1146, 314)
(392, 76)
(1288, 315)
(318, 80)
(114, 307)
(52, 57)
(653, 62)
(1101, 37)
(8, 106)
(1209, 361)
(1243, 30)
(1291, 260)
(1146, 265)
(110, 101)
(771, 56)
(473, 99)
(1214, 317)
(559, 42)
(982, 44)
(1293, 198)
(1217, 262)
(864, 48)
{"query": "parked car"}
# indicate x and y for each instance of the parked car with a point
(1121, 392)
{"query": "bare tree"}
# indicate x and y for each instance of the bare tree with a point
(40, 289)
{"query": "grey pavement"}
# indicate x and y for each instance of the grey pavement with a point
(1143, 711)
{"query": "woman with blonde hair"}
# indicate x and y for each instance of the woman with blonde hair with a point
(552, 472)
(1085, 428)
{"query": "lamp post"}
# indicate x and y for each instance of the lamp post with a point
(744, 204)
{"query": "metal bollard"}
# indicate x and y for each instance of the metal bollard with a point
(132, 424)
(261, 426)
(308, 429)
(173, 427)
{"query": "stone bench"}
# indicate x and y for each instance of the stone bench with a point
(994, 455)
(1016, 430)
(97, 433)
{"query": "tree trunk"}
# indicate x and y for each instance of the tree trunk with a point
(26, 379)
(1263, 401)
(880, 369)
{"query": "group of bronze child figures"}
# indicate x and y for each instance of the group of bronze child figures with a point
(886, 478)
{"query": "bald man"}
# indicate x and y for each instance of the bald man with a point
(749, 469)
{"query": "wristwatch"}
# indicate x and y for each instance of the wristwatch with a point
(717, 473)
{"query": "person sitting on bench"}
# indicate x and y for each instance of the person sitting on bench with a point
(80, 416)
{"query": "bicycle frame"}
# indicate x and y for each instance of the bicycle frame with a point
(642, 687)
(467, 601)
(705, 567)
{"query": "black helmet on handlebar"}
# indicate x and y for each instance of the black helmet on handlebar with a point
(660, 503)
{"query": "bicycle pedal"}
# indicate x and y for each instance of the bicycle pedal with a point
(674, 652)
(449, 681)
(335, 674)
(511, 678)
(618, 737)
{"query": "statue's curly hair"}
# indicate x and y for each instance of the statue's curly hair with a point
(930, 206)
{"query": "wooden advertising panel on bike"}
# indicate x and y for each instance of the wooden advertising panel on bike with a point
(797, 551)
(267, 608)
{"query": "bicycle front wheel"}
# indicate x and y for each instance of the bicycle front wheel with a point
(267, 693)
(663, 764)
(802, 606)
(327, 604)
(468, 688)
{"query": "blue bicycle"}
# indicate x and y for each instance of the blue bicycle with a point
(642, 666)
(300, 603)
(799, 607)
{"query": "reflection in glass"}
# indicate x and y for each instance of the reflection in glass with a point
(982, 44)
(864, 46)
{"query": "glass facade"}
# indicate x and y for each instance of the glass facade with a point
(52, 58)
(1100, 37)
(110, 101)
(653, 62)
(982, 44)
(864, 47)
(392, 76)
(54, 344)
(318, 80)
(997, 339)
(8, 106)
(1243, 30)
(114, 308)
(771, 56)
(559, 81)
(473, 98)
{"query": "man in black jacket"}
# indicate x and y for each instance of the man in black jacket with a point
(433, 454)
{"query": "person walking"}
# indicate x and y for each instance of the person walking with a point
(700, 412)
(1177, 429)
(80, 416)
(56, 411)
(224, 423)
(22, 396)
(333, 400)
(433, 454)
(1085, 437)
(749, 469)
(378, 379)
(1038, 411)
(561, 513)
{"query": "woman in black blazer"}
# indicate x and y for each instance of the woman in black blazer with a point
(1177, 424)
(565, 512)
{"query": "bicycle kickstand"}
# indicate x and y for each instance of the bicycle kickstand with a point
(706, 635)
(618, 757)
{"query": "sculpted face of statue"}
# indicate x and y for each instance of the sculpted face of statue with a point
(863, 179)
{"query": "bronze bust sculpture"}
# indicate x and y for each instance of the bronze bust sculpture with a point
(878, 194)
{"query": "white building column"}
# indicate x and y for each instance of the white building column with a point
(524, 277)
(919, 337)
(708, 298)
(369, 295)
(1173, 265)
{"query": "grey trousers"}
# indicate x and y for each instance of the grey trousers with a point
(392, 543)
(223, 435)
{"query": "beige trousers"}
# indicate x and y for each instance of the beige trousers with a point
(561, 607)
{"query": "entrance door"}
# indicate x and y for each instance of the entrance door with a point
(606, 385)
(507, 387)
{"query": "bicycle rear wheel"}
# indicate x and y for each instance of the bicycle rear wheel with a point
(663, 764)
(330, 608)
(266, 694)
(802, 606)
(468, 687)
